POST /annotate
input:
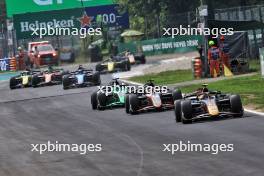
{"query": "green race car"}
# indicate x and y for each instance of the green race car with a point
(109, 96)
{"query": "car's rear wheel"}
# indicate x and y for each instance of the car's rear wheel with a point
(94, 101)
(127, 104)
(128, 66)
(176, 94)
(186, 108)
(236, 105)
(35, 81)
(12, 83)
(66, 82)
(134, 104)
(178, 111)
(143, 59)
(98, 68)
(97, 79)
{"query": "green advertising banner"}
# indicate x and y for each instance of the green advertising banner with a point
(24, 23)
(25, 6)
(163, 45)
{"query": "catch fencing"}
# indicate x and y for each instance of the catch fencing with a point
(246, 13)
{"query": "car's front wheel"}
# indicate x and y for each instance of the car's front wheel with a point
(94, 101)
(127, 104)
(186, 108)
(236, 105)
(134, 104)
(178, 111)
(102, 101)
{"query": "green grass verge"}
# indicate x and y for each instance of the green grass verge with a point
(254, 65)
(177, 76)
(250, 88)
(167, 77)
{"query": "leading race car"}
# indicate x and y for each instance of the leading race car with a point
(204, 103)
(134, 58)
(81, 78)
(145, 101)
(114, 64)
(22, 80)
(48, 77)
(115, 97)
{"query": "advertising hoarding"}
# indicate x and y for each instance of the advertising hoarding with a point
(27, 6)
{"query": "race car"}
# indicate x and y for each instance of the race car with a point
(134, 58)
(101, 99)
(81, 78)
(22, 80)
(204, 103)
(146, 101)
(113, 64)
(48, 77)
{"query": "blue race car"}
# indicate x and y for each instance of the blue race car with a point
(81, 78)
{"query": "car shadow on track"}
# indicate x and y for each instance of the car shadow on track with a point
(206, 120)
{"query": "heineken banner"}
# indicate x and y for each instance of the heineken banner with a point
(106, 16)
(26, 6)
(163, 45)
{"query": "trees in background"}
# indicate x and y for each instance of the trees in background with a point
(146, 15)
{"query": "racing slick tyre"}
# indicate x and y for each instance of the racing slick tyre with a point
(178, 111)
(35, 81)
(133, 104)
(176, 94)
(236, 105)
(128, 66)
(127, 104)
(94, 101)
(101, 101)
(97, 79)
(186, 108)
(66, 82)
(12, 83)
(143, 59)
(98, 68)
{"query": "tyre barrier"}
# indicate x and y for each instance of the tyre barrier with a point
(13, 64)
(198, 68)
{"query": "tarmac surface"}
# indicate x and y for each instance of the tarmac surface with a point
(131, 145)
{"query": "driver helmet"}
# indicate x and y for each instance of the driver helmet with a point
(211, 43)
(80, 67)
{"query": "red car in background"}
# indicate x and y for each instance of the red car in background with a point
(42, 53)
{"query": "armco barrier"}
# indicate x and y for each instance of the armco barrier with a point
(8, 64)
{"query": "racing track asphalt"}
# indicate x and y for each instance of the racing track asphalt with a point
(132, 145)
